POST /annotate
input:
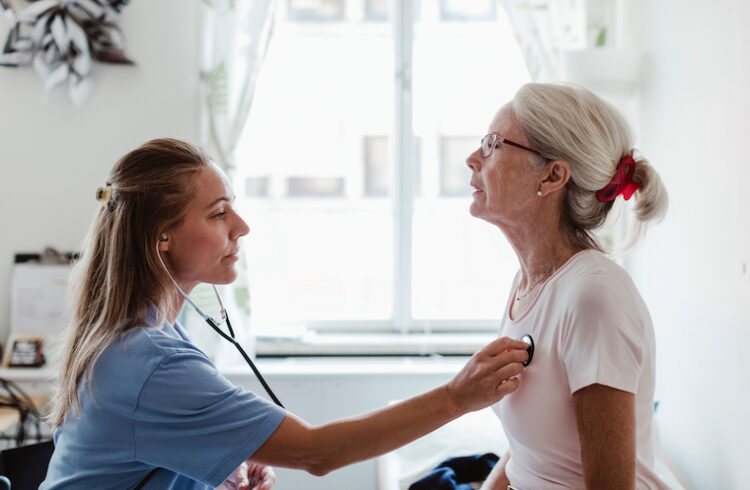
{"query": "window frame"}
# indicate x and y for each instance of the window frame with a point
(404, 192)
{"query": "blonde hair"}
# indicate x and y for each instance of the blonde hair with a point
(119, 274)
(567, 122)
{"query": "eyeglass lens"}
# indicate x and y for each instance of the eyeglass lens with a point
(488, 143)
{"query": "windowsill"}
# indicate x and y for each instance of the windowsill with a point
(350, 366)
(374, 344)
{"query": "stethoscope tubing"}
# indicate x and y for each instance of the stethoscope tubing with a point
(230, 337)
(249, 361)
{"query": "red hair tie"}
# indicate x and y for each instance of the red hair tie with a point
(621, 183)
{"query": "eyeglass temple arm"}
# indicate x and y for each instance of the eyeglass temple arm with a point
(517, 145)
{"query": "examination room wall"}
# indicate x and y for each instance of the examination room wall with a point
(693, 125)
(54, 155)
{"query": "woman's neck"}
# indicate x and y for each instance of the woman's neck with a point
(542, 248)
(541, 262)
(174, 303)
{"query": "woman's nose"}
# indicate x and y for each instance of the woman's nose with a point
(241, 229)
(474, 160)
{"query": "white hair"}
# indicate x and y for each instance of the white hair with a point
(567, 122)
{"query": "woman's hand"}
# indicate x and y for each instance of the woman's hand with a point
(489, 375)
(249, 476)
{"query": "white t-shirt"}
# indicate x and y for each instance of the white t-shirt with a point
(590, 326)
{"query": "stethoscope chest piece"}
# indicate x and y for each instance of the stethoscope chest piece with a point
(530, 350)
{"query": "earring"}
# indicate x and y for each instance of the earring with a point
(539, 193)
(163, 238)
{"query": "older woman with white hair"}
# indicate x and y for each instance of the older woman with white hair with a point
(547, 174)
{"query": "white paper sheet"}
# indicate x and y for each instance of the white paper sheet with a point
(38, 305)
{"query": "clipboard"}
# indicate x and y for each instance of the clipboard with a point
(38, 309)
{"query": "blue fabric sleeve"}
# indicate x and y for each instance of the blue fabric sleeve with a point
(193, 421)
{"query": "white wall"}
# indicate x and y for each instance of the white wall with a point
(53, 155)
(694, 118)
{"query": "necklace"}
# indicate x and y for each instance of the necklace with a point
(519, 296)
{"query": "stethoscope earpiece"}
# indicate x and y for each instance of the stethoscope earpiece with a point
(530, 350)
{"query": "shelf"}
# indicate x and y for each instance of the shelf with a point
(28, 374)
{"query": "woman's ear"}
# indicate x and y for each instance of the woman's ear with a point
(163, 243)
(557, 175)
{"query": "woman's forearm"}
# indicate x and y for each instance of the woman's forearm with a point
(324, 448)
(497, 479)
(359, 438)
(485, 379)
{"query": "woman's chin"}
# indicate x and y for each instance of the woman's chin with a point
(475, 209)
(228, 277)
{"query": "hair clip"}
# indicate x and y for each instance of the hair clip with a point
(104, 194)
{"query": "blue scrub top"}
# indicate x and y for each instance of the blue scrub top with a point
(158, 402)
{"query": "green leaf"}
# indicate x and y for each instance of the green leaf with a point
(212, 4)
(601, 39)
(217, 82)
(242, 298)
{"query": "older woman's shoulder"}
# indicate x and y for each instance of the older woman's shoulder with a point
(592, 276)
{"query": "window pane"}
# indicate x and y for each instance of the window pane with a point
(315, 10)
(257, 186)
(315, 187)
(376, 10)
(314, 153)
(376, 165)
(463, 72)
(455, 175)
(467, 10)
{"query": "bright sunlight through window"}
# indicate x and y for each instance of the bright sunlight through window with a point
(352, 172)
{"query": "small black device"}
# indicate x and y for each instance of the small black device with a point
(530, 350)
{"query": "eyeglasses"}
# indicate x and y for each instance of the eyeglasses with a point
(490, 141)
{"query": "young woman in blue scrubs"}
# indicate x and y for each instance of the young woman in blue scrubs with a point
(139, 406)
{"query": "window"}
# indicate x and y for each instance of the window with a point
(376, 166)
(315, 10)
(454, 173)
(467, 10)
(352, 168)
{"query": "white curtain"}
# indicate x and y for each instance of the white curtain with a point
(235, 39)
(544, 28)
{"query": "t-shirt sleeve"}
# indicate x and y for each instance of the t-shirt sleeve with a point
(192, 420)
(602, 338)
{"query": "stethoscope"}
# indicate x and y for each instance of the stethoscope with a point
(529, 340)
(230, 337)
(216, 326)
